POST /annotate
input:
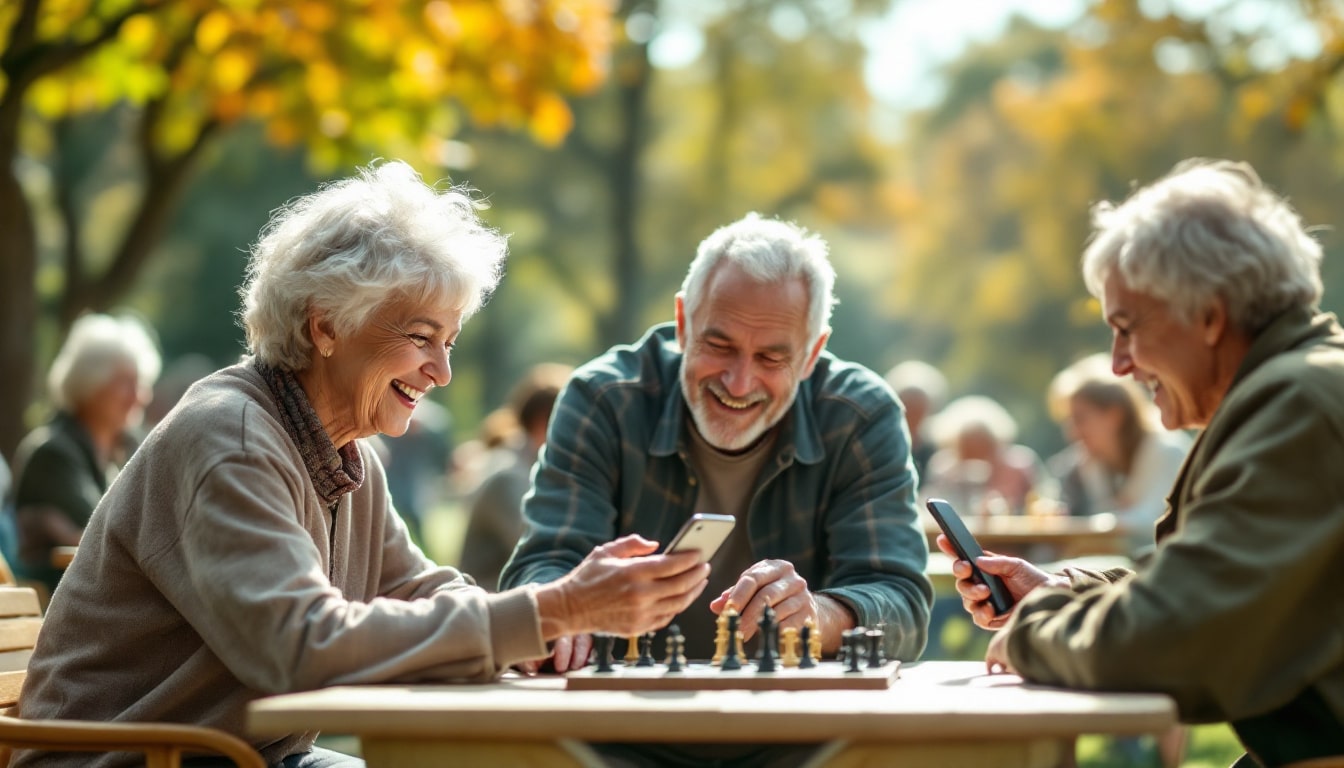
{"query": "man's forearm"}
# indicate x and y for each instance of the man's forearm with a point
(833, 618)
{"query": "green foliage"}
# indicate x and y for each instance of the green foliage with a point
(1041, 124)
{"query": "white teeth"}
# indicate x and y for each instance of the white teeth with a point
(732, 402)
(407, 390)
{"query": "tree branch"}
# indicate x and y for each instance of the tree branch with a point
(25, 29)
(28, 64)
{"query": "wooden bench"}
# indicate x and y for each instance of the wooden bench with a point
(162, 744)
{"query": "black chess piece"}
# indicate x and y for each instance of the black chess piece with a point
(765, 657)
(645, 651)
(854, 649)
(805, 637)
(603, 644)
(675, 641)
(875, 654)
(731, 662)
(769, 636)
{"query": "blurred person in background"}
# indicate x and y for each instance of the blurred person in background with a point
(496, 518)
(979, 468)
(9, 535)
(100, 382)
(178, 376)
(418, 464)
(922, 389)
(1211, 286)
(249, 548)
(1124, 462)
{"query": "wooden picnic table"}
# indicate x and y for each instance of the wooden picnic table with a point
(936, 714)
(61, 557)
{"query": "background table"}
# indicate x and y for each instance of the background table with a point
(937, 714)
(1041, 537)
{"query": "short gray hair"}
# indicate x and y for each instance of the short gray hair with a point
(1210, 228)
(918, 376)
(357, 243)
(94, 348)
(972, 413)
(770, 251)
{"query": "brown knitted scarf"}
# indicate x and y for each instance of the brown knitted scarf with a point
(335, 471)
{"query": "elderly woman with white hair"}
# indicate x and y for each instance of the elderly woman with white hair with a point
(1210, 285)
(100, 383)
(250, 548)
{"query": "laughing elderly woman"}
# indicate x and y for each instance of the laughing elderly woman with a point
(249, 548)
(1210, 285)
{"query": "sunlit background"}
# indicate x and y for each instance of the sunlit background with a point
(948, 150)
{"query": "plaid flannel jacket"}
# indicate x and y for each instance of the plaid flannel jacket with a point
(837, 499)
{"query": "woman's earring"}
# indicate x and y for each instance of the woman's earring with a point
(326, 352)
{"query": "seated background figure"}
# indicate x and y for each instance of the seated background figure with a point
(1124, 462)
(100, 382)
(979, 469)
(496, 518)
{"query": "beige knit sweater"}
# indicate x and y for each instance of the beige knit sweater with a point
(211, 574)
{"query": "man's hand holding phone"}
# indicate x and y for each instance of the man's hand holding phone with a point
(1018, 576)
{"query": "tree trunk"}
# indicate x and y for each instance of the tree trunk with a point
(633, 78)
(18, 270)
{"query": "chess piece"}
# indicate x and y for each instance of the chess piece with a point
(813, 640)
(788, 647)
(631, 650)
(808, 660)
(875, 654)
(765, 660)
(721, 634)
(675, 642)
(602, 644)
(854, 648)
(645, 651)
(732, 659)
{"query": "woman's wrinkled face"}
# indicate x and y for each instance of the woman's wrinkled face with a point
(373, 379)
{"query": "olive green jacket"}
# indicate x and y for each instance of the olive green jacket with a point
(1239, 616)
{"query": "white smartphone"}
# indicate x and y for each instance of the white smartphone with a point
(703, 532)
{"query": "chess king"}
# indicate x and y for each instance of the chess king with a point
(737, 408)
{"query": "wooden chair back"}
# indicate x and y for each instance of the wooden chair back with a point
(163, 745)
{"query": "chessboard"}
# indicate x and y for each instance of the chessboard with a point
(697, 676)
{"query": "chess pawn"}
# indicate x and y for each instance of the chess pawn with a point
(675, 642)
(875, 655)
(602, 644)
(854, 649)
(732, 660)
(809, 659)
(721, 634)
(788, 647)
(631, 650)
(812, 639)
(765, 661)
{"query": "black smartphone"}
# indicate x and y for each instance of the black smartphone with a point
(704, 532)
(968, 549)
